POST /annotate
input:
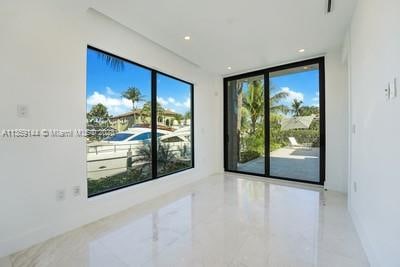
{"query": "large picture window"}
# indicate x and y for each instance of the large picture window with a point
(139, 123)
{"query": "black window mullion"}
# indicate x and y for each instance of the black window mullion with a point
(266, 124)
(322, 125)
(154, 123)
(192, 123)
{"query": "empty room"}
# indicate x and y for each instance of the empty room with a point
(199, 133)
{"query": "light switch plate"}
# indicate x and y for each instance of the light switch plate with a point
(76, 191)
(392, 89)
(387, 92)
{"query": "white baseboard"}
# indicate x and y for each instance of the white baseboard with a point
(373, 261)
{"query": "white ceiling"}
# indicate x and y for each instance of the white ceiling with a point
(244, 34)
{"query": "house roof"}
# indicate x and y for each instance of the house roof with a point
(139, 111)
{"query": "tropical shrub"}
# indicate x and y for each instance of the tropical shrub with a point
(246, 156)
(303, 136)
(116, 181)
(167, 162)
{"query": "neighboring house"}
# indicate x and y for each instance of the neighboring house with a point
(126, 120)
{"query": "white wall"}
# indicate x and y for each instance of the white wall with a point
(43, 66)
(336, 109)
(374, 61)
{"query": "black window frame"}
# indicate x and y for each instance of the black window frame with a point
(265, 73)
(154, 133)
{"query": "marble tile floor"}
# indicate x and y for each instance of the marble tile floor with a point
(222, 220)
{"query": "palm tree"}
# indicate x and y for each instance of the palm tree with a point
(179, 117)
(253, 101)
(308, 110)
(98, 115)
(160, 110)
(145, 113)
(115, 63)
(165, 158)
(142, 159)
(187, 116)
(275, 105)
(296, 107)
(244, 118)
(134, 95)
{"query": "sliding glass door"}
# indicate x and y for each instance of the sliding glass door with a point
(245, 121)
(295, 123)
(277, 132)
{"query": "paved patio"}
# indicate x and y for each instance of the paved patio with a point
(296, 163)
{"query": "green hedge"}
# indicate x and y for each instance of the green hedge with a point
(246, 156)
(281, 138)
(130, 177)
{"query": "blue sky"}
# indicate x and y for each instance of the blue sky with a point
(173, 94)
(303, 86)
(105, 85)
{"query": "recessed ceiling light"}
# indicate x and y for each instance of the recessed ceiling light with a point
(301, 50)
(306, 68)
(229, 68)
(187, 38)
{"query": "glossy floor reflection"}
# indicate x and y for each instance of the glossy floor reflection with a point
(223, 220)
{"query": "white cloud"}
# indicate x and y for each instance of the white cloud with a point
(114, 105)
(140, 104)
(162, 101)
(292, 95)
(187, 103)
(173, 104)
(170, 101)
(316, 98)
(110, 91)
(126, 102)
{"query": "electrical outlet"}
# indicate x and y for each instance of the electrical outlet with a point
(22, 111)
(387, 91)
(76, 191)
(60, 195)
(355, 187)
